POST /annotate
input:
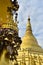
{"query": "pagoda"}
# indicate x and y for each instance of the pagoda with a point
(30, 53)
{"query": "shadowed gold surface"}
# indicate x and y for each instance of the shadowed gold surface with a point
(3, 9)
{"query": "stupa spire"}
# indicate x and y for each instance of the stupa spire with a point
(29, 40)
(28, 27)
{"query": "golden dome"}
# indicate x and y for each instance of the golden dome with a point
(29, 41)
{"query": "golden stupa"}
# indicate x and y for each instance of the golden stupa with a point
(30, 53)
(29, 41)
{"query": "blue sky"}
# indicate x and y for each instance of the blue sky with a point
(34, 9)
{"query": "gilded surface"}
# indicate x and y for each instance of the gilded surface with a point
(9, 38)
(3, 10)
